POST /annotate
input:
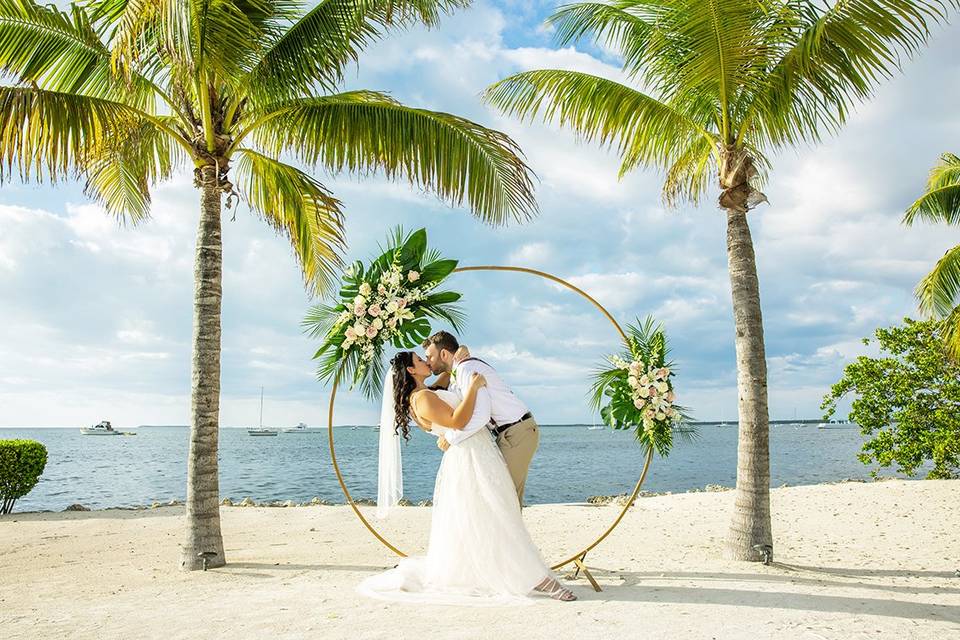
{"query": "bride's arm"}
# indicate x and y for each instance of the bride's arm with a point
(432, 408)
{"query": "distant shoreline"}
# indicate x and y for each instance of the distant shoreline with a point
(618, 500)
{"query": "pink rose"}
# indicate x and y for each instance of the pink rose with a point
(371, 332)
(671, 396)
(374, 310)
(350, 334)
(401, 303)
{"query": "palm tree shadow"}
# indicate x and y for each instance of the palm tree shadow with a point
(267, 569)
(793, 574)
(633, 589)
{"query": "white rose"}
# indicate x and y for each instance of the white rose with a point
(365, 289)
(359, 329)
(644, 380)
(392, 306)
(377, 324)
(643, 392)
(662, 387)
(660, 415)
(632, 381)
(350, 334)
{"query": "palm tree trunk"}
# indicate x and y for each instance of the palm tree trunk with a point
(750, 525)
(203, 484)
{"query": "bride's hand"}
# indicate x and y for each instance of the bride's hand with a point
(477, 382)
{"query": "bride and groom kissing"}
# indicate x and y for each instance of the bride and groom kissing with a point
(479, 550)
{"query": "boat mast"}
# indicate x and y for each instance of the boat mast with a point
(261, 407)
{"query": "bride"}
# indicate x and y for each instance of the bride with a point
(479, 552)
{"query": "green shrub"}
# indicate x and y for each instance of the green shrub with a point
(908, 399)
(21, 464)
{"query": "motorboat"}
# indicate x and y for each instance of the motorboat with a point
(102, 429)
(302, 428)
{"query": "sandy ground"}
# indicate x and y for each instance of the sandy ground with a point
(853, 561)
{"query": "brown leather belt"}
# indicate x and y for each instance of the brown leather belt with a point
(501, 428)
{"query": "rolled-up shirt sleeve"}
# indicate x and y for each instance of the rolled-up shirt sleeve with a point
(479, 419)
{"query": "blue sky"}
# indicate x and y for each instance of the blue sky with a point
(97, 317)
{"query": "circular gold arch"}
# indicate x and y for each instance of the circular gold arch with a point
(580, 554)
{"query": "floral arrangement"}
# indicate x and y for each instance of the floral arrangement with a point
(635, 390)
(391, 301)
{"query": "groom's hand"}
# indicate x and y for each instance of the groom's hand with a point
(442, 443)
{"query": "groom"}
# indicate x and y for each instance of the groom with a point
(505, 415)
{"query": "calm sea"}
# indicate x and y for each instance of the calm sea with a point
(573, 462)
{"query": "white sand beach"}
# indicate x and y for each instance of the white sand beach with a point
(853, 560)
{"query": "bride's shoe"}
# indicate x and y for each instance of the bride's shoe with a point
(555, 590)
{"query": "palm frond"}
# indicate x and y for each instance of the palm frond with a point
(690, 175)
(120, 169)
(941, 202)
(45, 47)
(939, 291)
(631, 29)
(364, 131)
(301, 208)
(832, 58)
(641, 129)
(951, 333)
(315, 50)
(47, 133)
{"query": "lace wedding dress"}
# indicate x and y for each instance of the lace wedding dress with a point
(480, 553)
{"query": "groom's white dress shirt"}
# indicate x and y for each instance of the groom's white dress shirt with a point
(495, 401)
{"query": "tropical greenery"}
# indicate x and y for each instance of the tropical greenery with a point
(907, 400)
(21, 464)
(711, 91)
(391, 301)
(635, 391)
(939, 291)
(123, 93)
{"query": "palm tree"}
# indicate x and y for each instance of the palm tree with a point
(122, 93)
(715, 88)
(939, 291)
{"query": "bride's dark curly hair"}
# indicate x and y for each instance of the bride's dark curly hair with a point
(403, 386)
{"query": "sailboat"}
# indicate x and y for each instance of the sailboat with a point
(595, 426)
(722, 423)
(261, 431)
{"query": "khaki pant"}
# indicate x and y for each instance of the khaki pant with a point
(518, 444)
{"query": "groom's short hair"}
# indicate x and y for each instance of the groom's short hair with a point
(443, 340)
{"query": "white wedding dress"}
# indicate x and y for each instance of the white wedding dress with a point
(480, 553)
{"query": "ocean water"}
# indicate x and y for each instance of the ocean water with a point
(573, 463)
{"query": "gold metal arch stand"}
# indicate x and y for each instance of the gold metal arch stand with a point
(578, 560)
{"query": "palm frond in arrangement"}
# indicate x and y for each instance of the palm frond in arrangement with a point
(635, 390)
